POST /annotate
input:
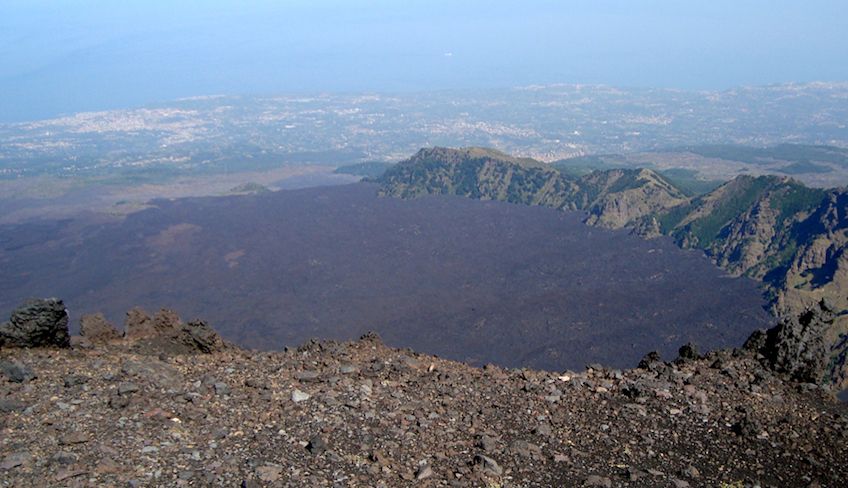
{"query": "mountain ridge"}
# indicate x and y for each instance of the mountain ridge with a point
(772, 228)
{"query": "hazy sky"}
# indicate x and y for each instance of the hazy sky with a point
(63, 56)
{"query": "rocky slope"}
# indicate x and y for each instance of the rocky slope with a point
(169, 404)
(748, 225)
(773, 229)
(478, 173)
(619, 197)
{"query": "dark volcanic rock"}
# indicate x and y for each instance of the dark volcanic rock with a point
(39, 322)
(317, 445)
(797, 346)
(487, 443)
(488, 465)
(747, 425)
(73, 380)
(688, 352)
(11, 405)
(17, 372)
(97, 329)
(651, 361)
(757, 341)
(118, 402)
(198, 335)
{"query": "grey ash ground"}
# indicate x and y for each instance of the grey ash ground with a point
(153, 409)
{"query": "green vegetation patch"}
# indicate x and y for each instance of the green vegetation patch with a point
(735, 201)
(688, 182)
(250, 187)
(803, 154)
(583, 165)
(672, 217)
(628, 181)
(367, 169)
(804, 167)
(797, 198)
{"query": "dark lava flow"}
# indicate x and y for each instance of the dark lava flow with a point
(468, 280)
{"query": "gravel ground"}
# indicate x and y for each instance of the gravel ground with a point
(132, 413)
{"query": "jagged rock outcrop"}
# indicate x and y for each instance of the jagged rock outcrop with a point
(797, 346)
(36, 323)
(688, 352)
(166, 332)
(166, 323)
(647, 227)
(791, 237)
(138, 325)
(97, 330)
(198, 335)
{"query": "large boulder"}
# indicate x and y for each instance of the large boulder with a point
(797, 346)
(97, 329)
(199, 336)
(166, 333)
(37, 323)
(138, 325)
(165, 323)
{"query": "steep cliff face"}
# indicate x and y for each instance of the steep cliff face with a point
(773, 229)
(791, 237)
(748, 225)
(748, 240)
(818, 269)
(818, 262)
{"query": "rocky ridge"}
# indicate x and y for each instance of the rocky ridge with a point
(152, 411)
(790, 237)
(613, 198)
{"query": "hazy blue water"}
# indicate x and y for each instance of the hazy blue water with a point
(61, 56)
